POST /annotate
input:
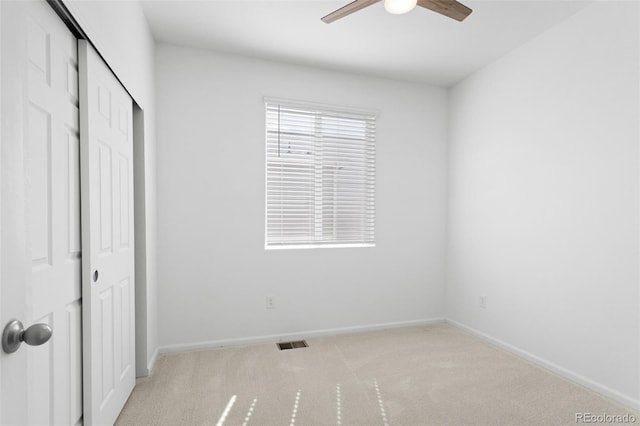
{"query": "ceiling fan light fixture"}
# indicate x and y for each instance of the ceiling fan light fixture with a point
(398, 7)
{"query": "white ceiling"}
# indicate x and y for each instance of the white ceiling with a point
(420, 46)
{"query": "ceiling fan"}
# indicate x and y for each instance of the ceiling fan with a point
(450, 8)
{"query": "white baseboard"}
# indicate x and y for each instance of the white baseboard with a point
(294, 336)
(147, 369)
(625, 400)
(152, 361)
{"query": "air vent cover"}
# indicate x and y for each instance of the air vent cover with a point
(293, 345)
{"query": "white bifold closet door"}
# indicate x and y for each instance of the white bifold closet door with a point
(108, 263)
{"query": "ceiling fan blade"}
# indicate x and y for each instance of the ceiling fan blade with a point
(348, 10)
(450, 8)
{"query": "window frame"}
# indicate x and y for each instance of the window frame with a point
(369, 121)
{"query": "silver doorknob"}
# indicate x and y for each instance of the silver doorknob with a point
(14, 334)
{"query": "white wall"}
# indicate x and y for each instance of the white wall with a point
(120, 33)
(543, 199)
(214, 272)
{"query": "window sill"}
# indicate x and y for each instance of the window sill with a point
(315, 246)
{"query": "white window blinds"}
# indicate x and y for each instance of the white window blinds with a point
(320, 173)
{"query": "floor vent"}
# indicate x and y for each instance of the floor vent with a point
(293, 345)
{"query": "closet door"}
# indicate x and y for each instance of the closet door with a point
(108, 260)
(40, 231)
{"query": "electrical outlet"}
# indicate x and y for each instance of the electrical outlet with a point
(483, 301)
(270, 302)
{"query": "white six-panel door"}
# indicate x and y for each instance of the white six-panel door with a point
(107, 239)
(40, 241)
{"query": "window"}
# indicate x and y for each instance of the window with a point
(320, 173)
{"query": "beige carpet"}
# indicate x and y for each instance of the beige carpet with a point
(432, 375)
